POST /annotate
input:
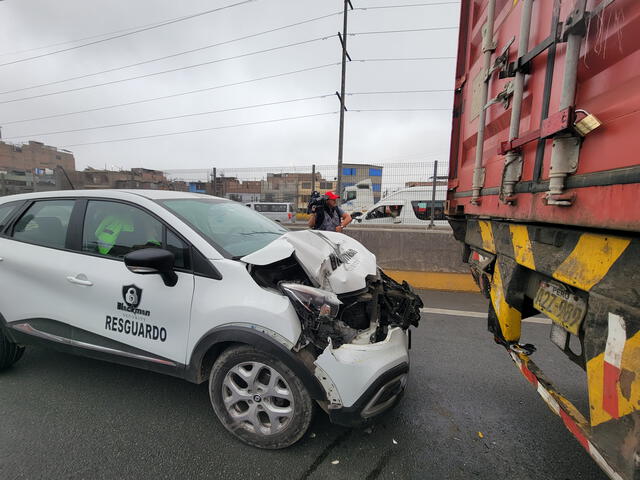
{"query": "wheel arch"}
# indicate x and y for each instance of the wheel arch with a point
(5, 330)
(212, 344)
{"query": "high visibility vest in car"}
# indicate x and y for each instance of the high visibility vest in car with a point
(109, 231)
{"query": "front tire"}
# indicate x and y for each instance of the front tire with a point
(10, 352)
(258, 398)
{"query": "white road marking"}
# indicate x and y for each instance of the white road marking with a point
(463, 313)
(539, 319)
(457, 313)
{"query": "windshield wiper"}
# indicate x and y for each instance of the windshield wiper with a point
(255, 233)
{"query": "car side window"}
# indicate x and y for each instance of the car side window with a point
(375, 213)
(5, 212)
(45, 223)
(180, 249)
(385, 211)
(115, 229)
(422, 209)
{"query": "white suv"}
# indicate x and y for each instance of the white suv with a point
(204, 288)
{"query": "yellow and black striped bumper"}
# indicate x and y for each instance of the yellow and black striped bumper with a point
(604, 270)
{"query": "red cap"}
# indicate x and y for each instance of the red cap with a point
(332, 196)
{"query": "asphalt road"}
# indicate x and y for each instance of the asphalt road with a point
(467, 413)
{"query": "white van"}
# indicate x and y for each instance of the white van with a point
(409, 206)
(358, 199)
(278, 212)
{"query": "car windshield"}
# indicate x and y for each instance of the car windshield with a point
(236, 229)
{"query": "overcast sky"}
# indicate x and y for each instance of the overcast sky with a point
(369, 136)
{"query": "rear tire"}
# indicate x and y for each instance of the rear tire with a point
(10, 352)
(258, 398)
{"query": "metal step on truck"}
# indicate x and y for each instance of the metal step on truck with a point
(544, 192)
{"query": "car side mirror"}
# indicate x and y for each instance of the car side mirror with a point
(150, 261)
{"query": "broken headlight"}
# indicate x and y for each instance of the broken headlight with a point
(318, 303)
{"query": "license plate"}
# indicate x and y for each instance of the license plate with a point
(560, 305)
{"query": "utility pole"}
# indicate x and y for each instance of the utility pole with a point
(433, 195)
(343, 40)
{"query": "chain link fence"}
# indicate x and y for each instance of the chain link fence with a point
(363, 185)
(374, 193)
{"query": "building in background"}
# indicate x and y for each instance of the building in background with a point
(353, 173)
(36, 167)
(32, 167)
(199, 187)
(15, 181)
(34, 157)
(245, 191)
(306, 187)
(294, 188)
(283, 187)
(136, 178)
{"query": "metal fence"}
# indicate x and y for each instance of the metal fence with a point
(363, 184)
(419, 186)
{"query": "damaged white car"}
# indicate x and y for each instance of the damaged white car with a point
(208, 290)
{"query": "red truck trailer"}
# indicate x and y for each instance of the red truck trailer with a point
(544, 192)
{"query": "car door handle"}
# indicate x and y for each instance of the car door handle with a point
(80, 280)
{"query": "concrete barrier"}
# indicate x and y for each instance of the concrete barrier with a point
(429, 259)
(419, 250)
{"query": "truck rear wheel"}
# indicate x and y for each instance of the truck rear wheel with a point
(258, 398)
(10, 352)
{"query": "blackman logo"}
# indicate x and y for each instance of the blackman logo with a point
(132, 296)
(338, 259)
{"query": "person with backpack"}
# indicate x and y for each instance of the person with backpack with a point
(328, 216)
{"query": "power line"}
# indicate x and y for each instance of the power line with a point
(121, 35)
(262, 122)
(138, 122)
(67, 42)
(401, 92)
(190, 92)
(206, 47)
(185, 52)
(91, 37)
(146, 75)
(403, 31)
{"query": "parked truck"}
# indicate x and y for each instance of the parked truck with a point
(358, 198)
(543, 189)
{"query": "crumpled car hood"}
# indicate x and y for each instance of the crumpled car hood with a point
(333, 261)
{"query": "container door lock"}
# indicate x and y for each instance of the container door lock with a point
(587, 124)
